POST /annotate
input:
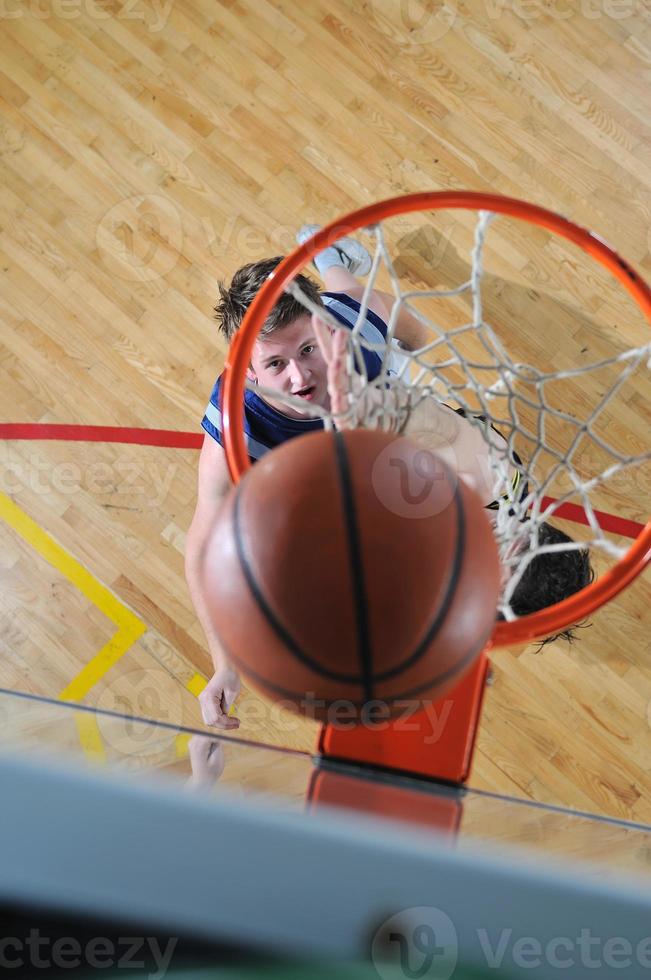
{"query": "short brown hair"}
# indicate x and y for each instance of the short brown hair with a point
(235, 300)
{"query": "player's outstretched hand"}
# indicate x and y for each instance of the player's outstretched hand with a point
(218, 697)
(343, 386)
(355, 403)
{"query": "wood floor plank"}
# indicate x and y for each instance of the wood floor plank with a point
(143, 160)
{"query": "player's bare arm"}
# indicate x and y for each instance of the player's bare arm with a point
(212, 486)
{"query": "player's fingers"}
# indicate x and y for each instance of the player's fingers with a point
(212, 713)
(208, 714)
(338, 379)
(226, 710)
(228, 724)
(217, 719)
(339, 343)
(334, 347)
(323, 336)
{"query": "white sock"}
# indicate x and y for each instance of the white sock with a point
(328, 258)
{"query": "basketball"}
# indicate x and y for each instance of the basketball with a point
(342, 568)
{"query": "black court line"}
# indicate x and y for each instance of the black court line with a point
(164, 725)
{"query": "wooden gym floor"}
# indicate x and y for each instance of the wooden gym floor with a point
(148, 151)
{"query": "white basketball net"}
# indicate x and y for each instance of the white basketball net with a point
(516, 398)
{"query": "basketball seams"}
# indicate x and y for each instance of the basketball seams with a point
(247, 571)
(246, 565)
(366, 685)
(360, 597)
(450, 591)
(264, 683)
(301, 696)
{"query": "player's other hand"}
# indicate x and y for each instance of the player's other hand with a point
(218, 696)
(206, 758)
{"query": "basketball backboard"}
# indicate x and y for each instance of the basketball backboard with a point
(277, 852)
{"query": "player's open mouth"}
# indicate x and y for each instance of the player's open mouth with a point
(306, 393)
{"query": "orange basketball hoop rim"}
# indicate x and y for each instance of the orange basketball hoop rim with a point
(527, 628)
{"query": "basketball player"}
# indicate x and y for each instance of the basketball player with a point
(287, 358)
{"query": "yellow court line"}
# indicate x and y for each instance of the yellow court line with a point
(102, 662)
(182, 745)
(90, 737)
(130, 626)
(196, 684)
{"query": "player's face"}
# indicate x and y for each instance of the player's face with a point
(290, 361)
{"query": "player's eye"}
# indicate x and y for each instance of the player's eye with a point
(274, 365)
(308, 348)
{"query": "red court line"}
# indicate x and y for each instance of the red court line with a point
(607, 522)
(101, 433)
(170, 439)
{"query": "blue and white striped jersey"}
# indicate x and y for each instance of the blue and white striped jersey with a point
(266, 427)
